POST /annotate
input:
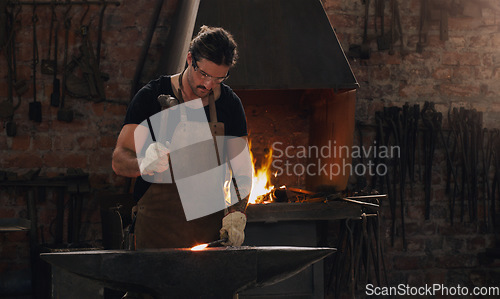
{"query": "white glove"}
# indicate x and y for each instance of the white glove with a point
(233, 226)
(156, 159)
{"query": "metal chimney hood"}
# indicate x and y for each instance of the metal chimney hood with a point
(283, 44)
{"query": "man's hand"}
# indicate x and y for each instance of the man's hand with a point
(156, 159)
(233, 226)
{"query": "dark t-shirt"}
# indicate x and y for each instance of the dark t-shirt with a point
(145, 104)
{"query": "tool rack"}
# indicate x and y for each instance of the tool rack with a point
(67, 184)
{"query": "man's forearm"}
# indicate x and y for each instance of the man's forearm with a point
(125, 163)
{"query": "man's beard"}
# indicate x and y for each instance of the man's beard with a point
(198, 90)
(201, 91)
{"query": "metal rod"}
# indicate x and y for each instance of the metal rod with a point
(376, 196)
(66, 3)
(214, 243)
(361, 202)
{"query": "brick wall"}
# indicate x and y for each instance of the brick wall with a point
(459, 72)
(56, 147)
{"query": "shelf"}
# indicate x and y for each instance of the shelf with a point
(14, 224)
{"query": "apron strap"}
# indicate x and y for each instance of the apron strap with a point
(211, 107)
(181, 99)
(179, 90)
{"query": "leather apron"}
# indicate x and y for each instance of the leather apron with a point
(161, 222)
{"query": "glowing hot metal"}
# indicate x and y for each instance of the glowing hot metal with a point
(203, 246)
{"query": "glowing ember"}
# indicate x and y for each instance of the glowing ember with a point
(261, 177)
(199, 247)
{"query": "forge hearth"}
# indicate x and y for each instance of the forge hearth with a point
(286, 120)
(291, 71)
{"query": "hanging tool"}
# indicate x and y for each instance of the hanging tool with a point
(382, 120)
(485, 172)
(10, 125)
(414, 116)
(494, 186)
(380, 252)
(424, 25)
(476, 130)
(461, 143)
(469, 160)
(397, 15)
(458, 188)
(432, 121)
(365, 46)
(375, 183)
(84, 61)
(91, 86)
(7, 106)
(3, 24)
(428, 149)
(362, 51)
(360, 179)
(55, 96)
(443, 24)
(64, 114)
(393, 27)
(496, 178)
(404, 133)
(94, 78)
(492, 137)
(385, 39)
(399, 170)
(451, 171)
(35, 108)
(59, 220)
(99, 32)
(86, 56)
(47, 65)
(20, 86)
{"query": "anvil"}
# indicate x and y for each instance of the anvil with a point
(217, 272)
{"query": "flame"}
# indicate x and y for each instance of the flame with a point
(199, 247)
(261, 178)
(227, 193)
